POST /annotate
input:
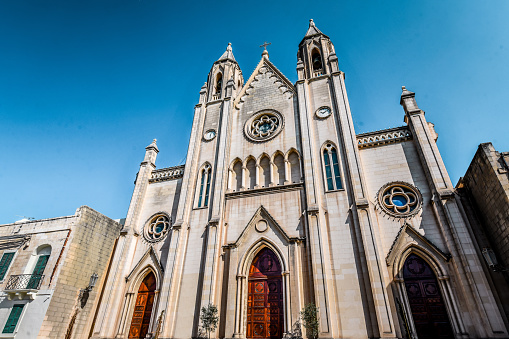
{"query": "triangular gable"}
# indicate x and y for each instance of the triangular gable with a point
(150, 257)
(262, 213)
(407, 231)
(265, 62)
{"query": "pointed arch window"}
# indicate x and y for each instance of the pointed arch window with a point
(205, 174)
(316, 60)
(331, 164)
(219, 83)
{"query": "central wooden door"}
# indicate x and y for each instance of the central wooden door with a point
(426, 302)
(143, 308)
(265, 297)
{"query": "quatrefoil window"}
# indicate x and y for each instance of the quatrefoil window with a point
(157, 228)
(399, 199)
(264, 125)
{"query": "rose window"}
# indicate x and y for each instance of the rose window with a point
(157, 228)
(264, 125)
(399, 199)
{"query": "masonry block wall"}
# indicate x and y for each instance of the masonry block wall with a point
(487, 183)
(89, 248)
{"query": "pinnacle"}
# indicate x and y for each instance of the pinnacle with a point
(312, 30)
(228, 54)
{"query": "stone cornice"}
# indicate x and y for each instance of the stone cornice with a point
(383, 137)
(169, 173)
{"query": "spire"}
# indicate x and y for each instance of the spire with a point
(228, 54)
(312, 30)
(152, 146)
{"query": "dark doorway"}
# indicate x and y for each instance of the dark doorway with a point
(143, 308)
(426, 302)
(265, 297)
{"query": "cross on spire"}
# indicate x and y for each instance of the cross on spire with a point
(265, 44)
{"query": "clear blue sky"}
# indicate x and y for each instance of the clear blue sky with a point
(86, 85)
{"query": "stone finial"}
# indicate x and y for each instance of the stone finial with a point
(311, 23)
(265, 54)
(152, 146)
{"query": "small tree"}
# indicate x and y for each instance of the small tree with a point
(309, 317)
(209, 318)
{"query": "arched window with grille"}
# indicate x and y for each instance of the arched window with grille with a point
(204, 190)
(331, 168)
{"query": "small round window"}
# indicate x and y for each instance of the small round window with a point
(264, 125)
(157, 228)
(399, 199)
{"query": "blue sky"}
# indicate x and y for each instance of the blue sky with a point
(86, 85)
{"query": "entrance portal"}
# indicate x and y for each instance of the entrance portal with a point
(143, 308)
(426, 302)
(265, 297)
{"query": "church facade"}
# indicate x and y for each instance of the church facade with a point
(280, 204)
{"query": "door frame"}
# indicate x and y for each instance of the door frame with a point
(443, 283)
(240, 326)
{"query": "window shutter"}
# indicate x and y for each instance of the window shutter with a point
(13, 319)
(4, 264)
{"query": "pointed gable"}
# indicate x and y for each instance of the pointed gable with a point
(265, 67)
(261, 221)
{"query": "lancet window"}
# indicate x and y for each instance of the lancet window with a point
(219, 83)
(316, 60)
(331, 166)
(203, 198)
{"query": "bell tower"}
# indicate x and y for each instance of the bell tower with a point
(225, 77)
(316, 55)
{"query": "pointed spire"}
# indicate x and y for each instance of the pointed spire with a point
(228, 54)
(153, 146)
(312, 30)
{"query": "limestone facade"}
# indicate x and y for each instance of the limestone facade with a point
(76, 247)
(275, 167)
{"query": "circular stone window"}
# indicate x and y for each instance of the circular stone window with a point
(399, 199)
(157, 228)
(264, 125)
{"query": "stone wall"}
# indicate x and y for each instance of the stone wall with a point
(88, 251)
(487, 185)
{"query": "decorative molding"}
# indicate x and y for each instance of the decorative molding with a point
(406, 228)
(264, 190)
(169, 173)
(383, 137)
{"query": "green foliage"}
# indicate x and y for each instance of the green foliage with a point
(310, 321)
(209, 318)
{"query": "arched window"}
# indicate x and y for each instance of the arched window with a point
(203, 199)
(251, 168)
(293, 158)
(316, 60)
(331, 164)
(279, 161)
(219, 83)
(36, 266)
(265, 169)
(237, 176)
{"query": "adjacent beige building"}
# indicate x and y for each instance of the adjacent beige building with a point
(281, 204)
(45, 269)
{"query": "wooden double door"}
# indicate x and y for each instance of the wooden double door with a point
(426, 302)
(265, 315)
(140, 321)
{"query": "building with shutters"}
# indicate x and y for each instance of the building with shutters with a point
(281, 204)
(45, 269)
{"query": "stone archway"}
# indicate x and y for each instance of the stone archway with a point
(140, 321)
(426, 302)
(265, 311)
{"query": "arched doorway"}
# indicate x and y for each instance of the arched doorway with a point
(426, 301)
(265, 297)
(143, 308)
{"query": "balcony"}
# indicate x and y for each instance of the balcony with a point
(22, 286)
